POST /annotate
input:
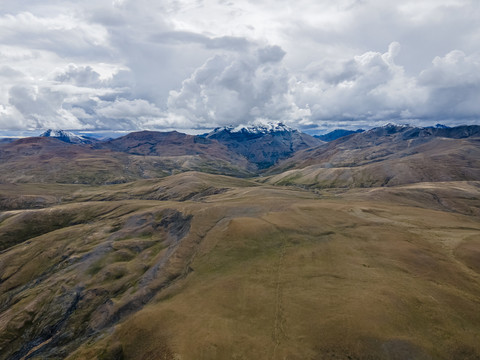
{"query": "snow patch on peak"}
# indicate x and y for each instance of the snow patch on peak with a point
(60, 133)
(397, 126)
(257, 128)
(390, 127)
(65, 136)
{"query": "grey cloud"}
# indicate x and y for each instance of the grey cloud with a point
(9, 72)
(63, 35)
(81, 76)
(424, 28)
(232, 90)
(271, 54)
(453, 82)
(369, 87)
(186, 37)
(128, 109)
(30, 102)
(372, 89)
(39, 108)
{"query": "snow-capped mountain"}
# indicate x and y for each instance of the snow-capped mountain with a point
(257, 128)
(67, 136)
(263, 143)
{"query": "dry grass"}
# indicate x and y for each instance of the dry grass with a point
(263, 273)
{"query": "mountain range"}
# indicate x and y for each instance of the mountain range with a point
(383, 156)
(386, 156)
(255, 242)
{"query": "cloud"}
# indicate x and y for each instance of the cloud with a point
(123, 109)
(9, 72)
(38, 108)
(270, 54)
(453, 84)
(452, 70)
(370, 87)
(186, 37)
(80, 76)
(234, 89)
(34, 102)
(62, 34)
(134, 64)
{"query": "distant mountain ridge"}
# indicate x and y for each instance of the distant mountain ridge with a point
(386, 156)
(383, 156)
(174, 143)
(336, 134)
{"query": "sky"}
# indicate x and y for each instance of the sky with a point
(192, 65)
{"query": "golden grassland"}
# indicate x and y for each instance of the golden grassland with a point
(198, 266)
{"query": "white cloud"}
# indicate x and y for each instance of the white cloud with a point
(133, 64)
(128, 109)
(370, 87)
(235, 89)
(79, 75)
(453, 82)
(62, 34)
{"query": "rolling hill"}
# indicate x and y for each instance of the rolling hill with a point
(46, 159)
(385, 156)
(200, 266)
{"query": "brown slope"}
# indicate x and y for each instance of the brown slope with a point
(255, 272)
(154, 143)
(43, 160)
(384, 157)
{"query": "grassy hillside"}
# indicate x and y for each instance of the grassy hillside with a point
(199, 266)
(384, 164)
(47, 160)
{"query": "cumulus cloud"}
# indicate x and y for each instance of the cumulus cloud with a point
(234, 89)
(367, 89)
(79, 75)
(36, 108)
(372, 89)
(453, 83)
(130, 114)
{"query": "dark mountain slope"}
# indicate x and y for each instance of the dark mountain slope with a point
(264, 145)
(336, 134)
(154, 143)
